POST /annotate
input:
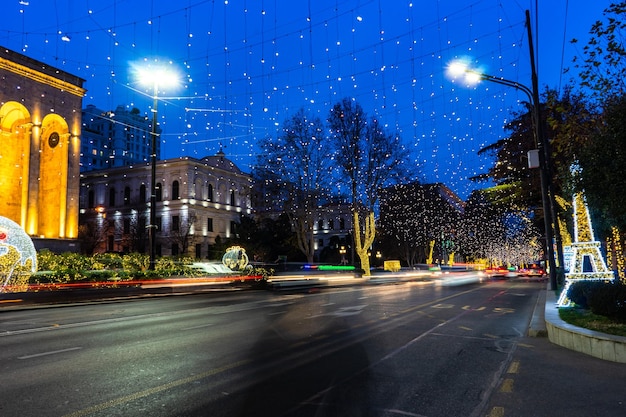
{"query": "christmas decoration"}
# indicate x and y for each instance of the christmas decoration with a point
(18, 259)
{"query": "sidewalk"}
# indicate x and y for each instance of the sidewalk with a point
(545, 379)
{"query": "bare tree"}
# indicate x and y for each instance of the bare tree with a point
(294, 172)
(180, 235)
(369, 158)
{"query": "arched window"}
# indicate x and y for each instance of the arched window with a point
(142, 193)
(127, 196)
(232, 197)
(210, 192)
(111, 197)
(175, 190)
(159, 192)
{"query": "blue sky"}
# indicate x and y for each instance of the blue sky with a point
(247, 65)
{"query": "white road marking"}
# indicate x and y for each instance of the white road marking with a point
(52, 352)
(197, 327)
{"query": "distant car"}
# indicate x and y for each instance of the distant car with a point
(534, 271)
(501, 272)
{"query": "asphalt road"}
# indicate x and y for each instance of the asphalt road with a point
(409, 349)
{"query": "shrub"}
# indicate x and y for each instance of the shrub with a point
(107, 261)
(609, 300)
(135, 262)
(579, 292)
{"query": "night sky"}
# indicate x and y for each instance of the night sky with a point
(247, 65)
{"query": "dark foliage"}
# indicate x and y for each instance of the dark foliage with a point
(605, 299)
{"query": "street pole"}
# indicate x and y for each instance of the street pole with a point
(547, 192)
(153, 161)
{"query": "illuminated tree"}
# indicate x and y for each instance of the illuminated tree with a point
(294, 172)
(369, 158)
(414, 215)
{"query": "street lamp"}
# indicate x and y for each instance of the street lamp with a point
(154, 77)
(471, 76)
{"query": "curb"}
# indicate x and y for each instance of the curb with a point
(600, 345)
(537, 327)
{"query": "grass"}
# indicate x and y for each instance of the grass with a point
(586, 319)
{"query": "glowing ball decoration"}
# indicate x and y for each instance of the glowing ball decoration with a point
(18, 258)
(235, 258)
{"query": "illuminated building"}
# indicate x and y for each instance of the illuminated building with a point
(333, 229)
(40, 122)
(115, 138)
(197, 201)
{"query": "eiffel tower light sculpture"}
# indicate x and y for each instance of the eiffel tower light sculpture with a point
(583, 247)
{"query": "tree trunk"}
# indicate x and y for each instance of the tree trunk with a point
(362, 246)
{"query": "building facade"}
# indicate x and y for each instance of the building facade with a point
(198, 200)
(40, 129)
(117, 138)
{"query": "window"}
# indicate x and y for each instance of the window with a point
(233, 229)
(342, 223)
(331, 224)
(126, 226)
(320, 224)
(159, 192)
(209, 224)
(175, 190)
(175, 223)
(210, 192)
(142, 193)
(127, 196)
(112, 197)
(174, 249)
(158, 222)
(232, 197)
(91, 197)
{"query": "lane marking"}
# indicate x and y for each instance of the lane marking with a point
(496, 412)
(52, 352)
(513, 368)
(507, 386)
(197, 327)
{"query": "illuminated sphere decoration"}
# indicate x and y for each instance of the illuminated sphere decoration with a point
(18, 258)
(235, 258)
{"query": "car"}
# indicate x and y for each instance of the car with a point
(501, 272)
(534, 271)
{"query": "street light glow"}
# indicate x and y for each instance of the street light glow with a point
(460, 68)
(155, 76)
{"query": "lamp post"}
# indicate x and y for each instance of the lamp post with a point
(154, 77)
(543, 145)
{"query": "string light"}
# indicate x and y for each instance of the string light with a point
(310, 55)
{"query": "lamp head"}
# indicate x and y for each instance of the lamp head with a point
(155, 74)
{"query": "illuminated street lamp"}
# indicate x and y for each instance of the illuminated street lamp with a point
(154, 77)
(471, 76)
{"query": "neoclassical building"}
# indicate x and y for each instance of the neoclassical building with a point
(197, 201)
(40, 128)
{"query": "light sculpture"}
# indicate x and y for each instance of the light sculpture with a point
(583, 247)
(18, 258)
(235, 258)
